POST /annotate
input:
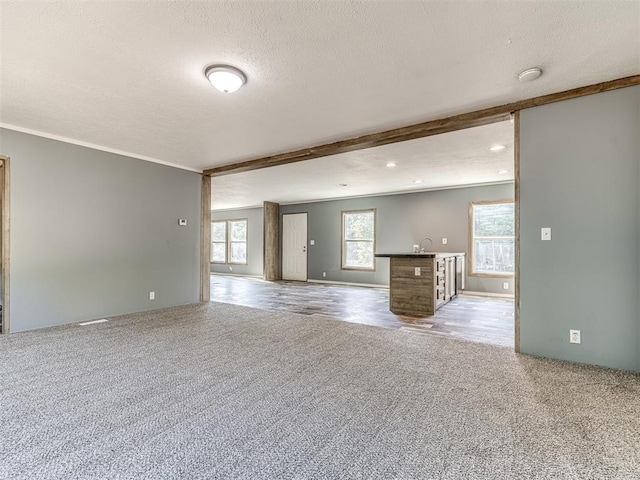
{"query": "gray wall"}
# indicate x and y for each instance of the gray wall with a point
(255, 240)
(402, 221)
(92, 233)
(580, 175)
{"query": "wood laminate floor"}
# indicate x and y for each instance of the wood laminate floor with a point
(478, 319)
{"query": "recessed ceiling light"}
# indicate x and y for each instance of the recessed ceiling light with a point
(417, 181)
(502, 172)
(497, 148)
(530, 74)
(391, 164)
(225, 78)
(342, 184)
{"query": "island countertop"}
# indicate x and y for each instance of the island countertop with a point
(419, 255)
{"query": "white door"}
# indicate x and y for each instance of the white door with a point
(294, 246)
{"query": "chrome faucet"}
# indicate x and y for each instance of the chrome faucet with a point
(420, 244)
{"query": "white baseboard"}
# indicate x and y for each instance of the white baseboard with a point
(333, 282)
(236, 275)
(486, 294)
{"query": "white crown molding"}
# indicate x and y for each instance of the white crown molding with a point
(95, 147)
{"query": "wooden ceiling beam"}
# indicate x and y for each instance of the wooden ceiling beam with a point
(420, 130)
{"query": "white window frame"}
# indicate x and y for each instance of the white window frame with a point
(228, 241)
(472, 261)
(344, 241)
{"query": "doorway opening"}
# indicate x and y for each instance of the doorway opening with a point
(419, 189)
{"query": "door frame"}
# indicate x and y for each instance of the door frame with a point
(5, 215)
(306, 214)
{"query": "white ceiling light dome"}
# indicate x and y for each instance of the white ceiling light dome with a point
(530, 74)
(225, 78)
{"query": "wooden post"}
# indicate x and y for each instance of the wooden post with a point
(516, 152)
(5, 213)
(271, 241)
(205, 240)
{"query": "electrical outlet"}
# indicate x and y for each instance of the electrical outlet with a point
(312, 242)
(574, 336)
(444, 240)
(417, 271)
(152, 295)
(324, 274)
(505, 285)
(231, 269)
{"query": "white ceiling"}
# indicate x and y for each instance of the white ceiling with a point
(129, 75)
(452, 159)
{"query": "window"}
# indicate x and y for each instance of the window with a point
(229, 241)
(358, 239)
(492, 238)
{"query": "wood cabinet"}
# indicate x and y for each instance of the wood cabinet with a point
(421, 283)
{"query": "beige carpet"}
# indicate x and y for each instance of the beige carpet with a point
(223, 391)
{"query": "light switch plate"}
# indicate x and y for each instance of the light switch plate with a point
(312, 242)
(182, 222)
(444, 240)
(417, 271)
(545, 233)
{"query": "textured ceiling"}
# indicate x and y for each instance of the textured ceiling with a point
(129, 75)
(451, 159)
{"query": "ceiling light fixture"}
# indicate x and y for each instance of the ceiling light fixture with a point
(502, 172)
(530, 74)
(417, 181)
(225, 78)
(497, 148)
(391, 164)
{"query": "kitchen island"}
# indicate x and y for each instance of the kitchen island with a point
(420, 283)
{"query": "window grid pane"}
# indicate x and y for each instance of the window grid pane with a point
(219, 252)
(238, 231)
(493, 220)
(219, 231)
(359, 254)
(358, 226)
(494, 255)
(238, 252)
